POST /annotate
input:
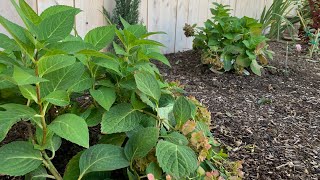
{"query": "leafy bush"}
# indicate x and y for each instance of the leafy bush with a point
(231, 43)
(148, 126)
(275, 17)
(127, 9)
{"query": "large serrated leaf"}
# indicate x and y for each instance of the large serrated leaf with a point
(100, 37)
(19, 158)
(72, 128)
(7, 43)
(104, 96)
(49, 64)
(102, 157)
(59, 98)
(85, 82)
(137, 30)
(62, 79)
(52, 10)
(23, 77)
(182, 110)
(177, 161)
(141, 143)
(148, 84)
(29, 92)
(160, 57)
(177, 138)
(120, 118)
(27, 15)
(29, 12)
(116, 139)
(70, 47)
(58, 26)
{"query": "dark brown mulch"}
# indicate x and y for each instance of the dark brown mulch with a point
(277, 140)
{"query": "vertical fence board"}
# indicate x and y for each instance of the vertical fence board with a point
(90, 17)
(162, 17)
(144, 12)
(182, 13)
(44, 4)
(250, 8)
(193, 15)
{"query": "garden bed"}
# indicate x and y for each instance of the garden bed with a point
(271, 122)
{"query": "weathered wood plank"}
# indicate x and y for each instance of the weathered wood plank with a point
(162, 16)
(44, 4)
(182, 13)
(90, 17)
(144, 12)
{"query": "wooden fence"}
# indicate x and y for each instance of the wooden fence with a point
(158, 15)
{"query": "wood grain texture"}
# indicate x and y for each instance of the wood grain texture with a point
(144, 12)
(193, 15)
(250, 8)
(182, 13)
(90, 17)
(44, 4)
(162, 16)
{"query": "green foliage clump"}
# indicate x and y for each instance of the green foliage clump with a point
(275, 17)
(231, 43)
(60, 85)
(127, 9)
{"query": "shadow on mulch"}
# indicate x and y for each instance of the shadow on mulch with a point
(271, 122)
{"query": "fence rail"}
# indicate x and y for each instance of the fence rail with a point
(158, 15)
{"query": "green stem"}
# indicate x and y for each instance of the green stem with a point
(150, 114)
(47, 162)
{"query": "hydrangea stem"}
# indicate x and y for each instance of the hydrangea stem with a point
(47, 162)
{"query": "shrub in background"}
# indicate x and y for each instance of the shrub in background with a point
(127, 9)
(150, 129)
(275, 18)
(231, 43)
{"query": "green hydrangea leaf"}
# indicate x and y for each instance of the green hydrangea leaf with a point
(102, 157)
(120, 118)
(141, 143)
(148, 85)
(49, 64)
(104, 96)
(72, 128)
(182, 110)
(59, 98)
(176, 160)
(19, 158)
(100, 37)
(176, 138)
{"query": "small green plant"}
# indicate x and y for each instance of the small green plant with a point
(149, 128)
(275, 18)
(231, 43)
(127, 9)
